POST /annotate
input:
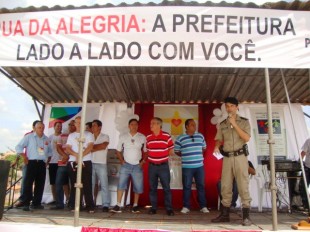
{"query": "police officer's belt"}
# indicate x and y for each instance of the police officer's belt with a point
(233, 153)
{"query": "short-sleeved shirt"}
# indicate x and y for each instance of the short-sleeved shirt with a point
(54, 140)
(73, 142)
(100, 157)
(37, 148)
(158, 147)
(306, 149)
(25, 150)
(62, 140)
(132, 147)
(232, 141)
(191, 148)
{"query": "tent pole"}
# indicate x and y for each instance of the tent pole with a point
(273, 187)
(37, 108)
(78, 184)
(295, 135)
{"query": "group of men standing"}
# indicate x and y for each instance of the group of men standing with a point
(133, 150)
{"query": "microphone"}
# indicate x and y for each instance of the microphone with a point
(229, 116)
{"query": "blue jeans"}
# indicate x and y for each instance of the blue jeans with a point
(61, 180)
(100, 171)
(234, 192)
(22, 187)
(187, 178)
(135, 172)
(163, 173)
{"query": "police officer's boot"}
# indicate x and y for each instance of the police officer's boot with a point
(245, 217)
(223, 217)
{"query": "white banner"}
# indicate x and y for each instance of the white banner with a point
(157, 36)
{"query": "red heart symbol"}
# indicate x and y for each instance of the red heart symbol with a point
(176, 122)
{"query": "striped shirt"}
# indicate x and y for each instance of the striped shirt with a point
(158, 147)
(191, 148)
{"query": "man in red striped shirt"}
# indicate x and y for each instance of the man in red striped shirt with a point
(159, 145)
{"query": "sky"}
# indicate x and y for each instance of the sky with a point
(17, 109)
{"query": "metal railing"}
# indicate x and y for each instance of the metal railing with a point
(10, 191)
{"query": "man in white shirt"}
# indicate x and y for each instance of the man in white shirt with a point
(53, 164)
(72, 148)
(131, 151)
(62, 175)
(99, 161)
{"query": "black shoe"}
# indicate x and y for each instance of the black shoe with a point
(57, 208)
(37, 207)
(26, 208)
(116, 209)
(152, 211)
(170, 212)
(105, 209)
(135, 209)
(52, 203)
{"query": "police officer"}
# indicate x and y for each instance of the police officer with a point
(233, 133)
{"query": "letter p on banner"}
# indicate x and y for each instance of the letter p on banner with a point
(307, 42)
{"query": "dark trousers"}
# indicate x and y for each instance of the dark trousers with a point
(35, 173)
(87, 184)
(302, 189)
(22, 186)
(163, 173)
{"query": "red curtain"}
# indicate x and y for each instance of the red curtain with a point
(212, 165)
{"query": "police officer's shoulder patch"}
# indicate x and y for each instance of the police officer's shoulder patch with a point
(244, 118)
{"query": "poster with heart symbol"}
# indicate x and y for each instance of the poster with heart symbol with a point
(174, 117)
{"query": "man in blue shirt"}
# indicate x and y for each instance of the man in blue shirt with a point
(191, 146)
(38, 154)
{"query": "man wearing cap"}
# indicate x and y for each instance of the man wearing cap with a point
(233, 133)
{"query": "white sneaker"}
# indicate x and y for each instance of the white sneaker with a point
(204, 210)
(185, 210)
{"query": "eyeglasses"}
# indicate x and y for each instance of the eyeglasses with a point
(192, 137)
